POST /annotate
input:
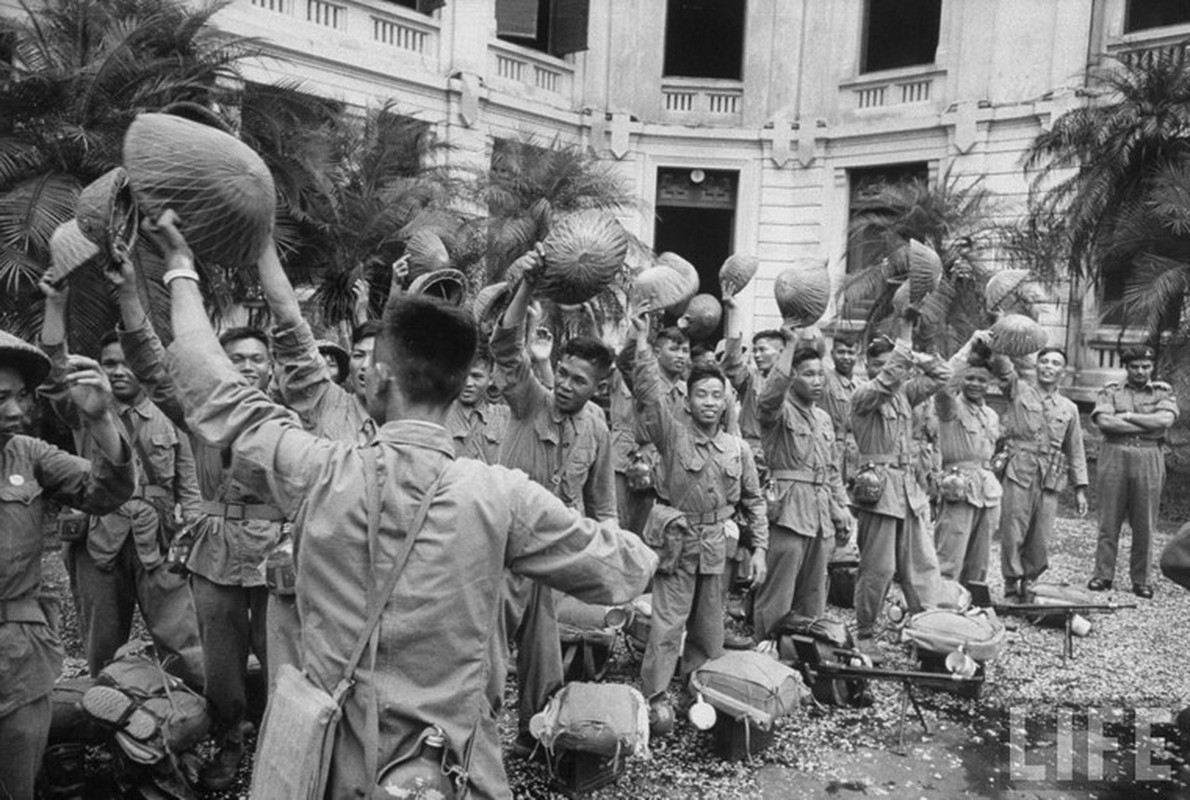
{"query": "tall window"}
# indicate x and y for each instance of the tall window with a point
(424, 6)
(557, 27)
(900, 33)
(704, 38)
(866, 185)
(1144, 14)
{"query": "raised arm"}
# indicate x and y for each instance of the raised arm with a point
(53, 344)
(735, 365)
(653, 416)
(186, 489)
(772, 397)
(523, 392)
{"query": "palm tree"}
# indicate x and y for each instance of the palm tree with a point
(954, 217)
(81, 70)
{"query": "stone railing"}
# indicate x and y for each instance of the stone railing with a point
(521, 70)
(884, 90)
(1141, 49)
(382, 24)
(701, 101)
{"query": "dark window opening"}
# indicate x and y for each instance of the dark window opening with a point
(557, 27)
(866, 182)
(704, 39)
(1112, 308)
(900, 33)
(423, 6)
(1144, 14)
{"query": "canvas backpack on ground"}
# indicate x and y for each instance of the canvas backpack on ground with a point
(941, 632)
(588, 634)
(589, 730)
(748, 684)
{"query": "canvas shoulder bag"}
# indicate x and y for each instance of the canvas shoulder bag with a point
(297, 740)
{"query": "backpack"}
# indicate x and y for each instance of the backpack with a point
(588, 633)
(809, 642)
(940, 632)
(748, 684)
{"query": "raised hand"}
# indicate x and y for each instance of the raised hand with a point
(541, 346)
(401, 269)
(89, 388)
(54, 295)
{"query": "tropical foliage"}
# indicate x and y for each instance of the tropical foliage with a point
(954, 217)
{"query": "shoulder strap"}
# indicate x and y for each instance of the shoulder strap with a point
(377, 603)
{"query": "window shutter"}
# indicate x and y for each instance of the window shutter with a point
(568, 32)
(516, 18)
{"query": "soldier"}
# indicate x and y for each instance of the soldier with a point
(560, 440)
(238, 529)
(892, 507)
(119, 562)
(431, 648)
(709, 475)
(812, 515)
(748, 379)
(1133, 418)
(32, 472)
(836, 400)
(476, 425)
(1043, 447)
(969, 510)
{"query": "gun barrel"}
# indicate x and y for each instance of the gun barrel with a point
(1064, 608)
(876, 673)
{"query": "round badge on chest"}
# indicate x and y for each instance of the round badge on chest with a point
(16, 480)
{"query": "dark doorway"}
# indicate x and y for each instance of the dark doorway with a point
(696, 220)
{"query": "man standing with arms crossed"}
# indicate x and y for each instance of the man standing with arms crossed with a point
(1134, 418)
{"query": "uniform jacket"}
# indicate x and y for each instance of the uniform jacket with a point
(703, 474)
(882, 420)
(800, 438)
(1118, 398)
(477, 431)
(836, 402)
(230, 552)
(164, 469)
(31, 472)
(323, 406)
(431, 660)
(1043, 437)
(748, 382)
(569, 454)
(967, 436)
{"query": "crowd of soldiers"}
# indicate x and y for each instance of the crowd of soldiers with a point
(583, 471)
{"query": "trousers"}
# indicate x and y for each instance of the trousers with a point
(23, 737)
(538, 647)
(891, 547)
(106, 597)
(231, 622)
(796, 579)
(682, 601)
(963, 540)
(1027, 516)
(632, 506)
(1130, 482)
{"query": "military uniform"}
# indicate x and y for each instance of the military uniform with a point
(238, 529)
(893, 533)
(570, 455)
(477, 430)
(1043, 441)
(120, 562)
(430, 661)
(836, 401)
(967, 436)
(1131, 475)
(632, 504)
(31, 472)
(707, 479)
(802, 457)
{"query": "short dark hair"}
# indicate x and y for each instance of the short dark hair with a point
(880, 346)
(483, 355)
(111, 337)
(1045, 351)
(700, 350)
(804, 354)
(233, 335)
(590, 349)
(672, 334)
(365, 330)
(433, 344)
(700, 373)
(768, 333)
(844, 340)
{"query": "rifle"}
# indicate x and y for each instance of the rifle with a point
(1068, 610)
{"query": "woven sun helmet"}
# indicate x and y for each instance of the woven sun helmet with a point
(69, 250)
(659, 288)
(900, 300)
(426, 253)
(1001, 286)
(803, 291)
(107, 213)
(925, 270)
(490, 301)
(446, 284)
(702, 316)
(29, 361)
(582, 253)
(1016, 335)
(736, 272)
(221, 190)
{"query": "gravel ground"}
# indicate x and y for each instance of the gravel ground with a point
(1133, 658)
